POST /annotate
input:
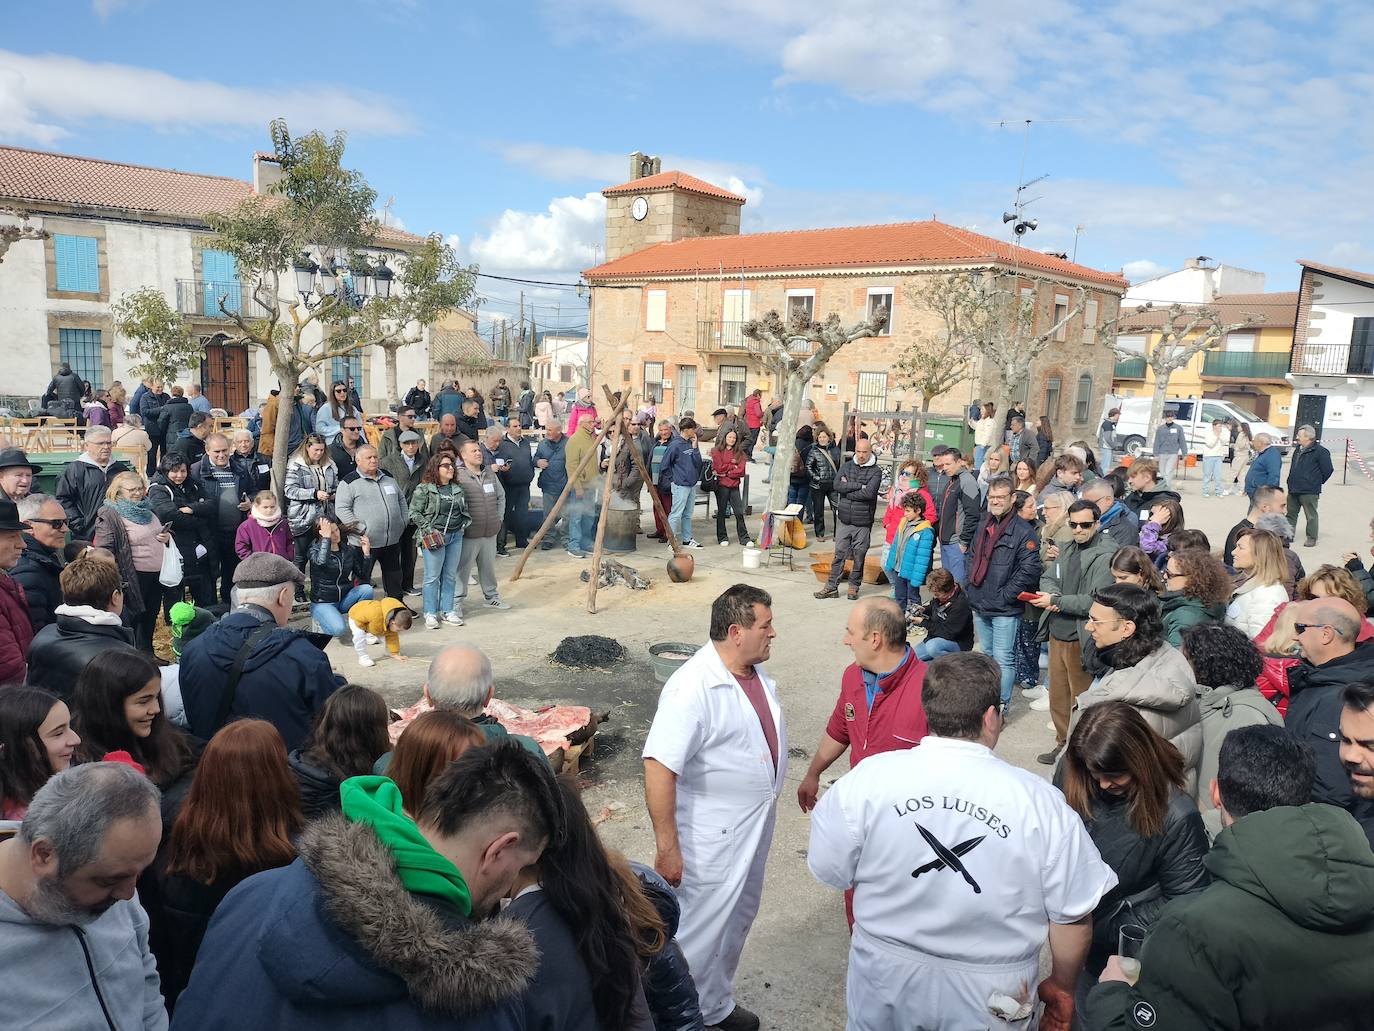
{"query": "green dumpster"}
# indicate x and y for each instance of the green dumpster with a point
(949, 430)
(51, 464)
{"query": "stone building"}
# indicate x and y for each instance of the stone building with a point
(680, 280)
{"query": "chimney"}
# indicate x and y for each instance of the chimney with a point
(1192, 263)
(266, 172)
(642, 165)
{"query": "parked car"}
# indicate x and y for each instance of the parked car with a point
(1195, 415)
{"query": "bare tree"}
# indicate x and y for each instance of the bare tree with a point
(800, 349)
(1184, 331)
(939, 360)
(1007, 322)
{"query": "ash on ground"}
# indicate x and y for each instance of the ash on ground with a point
(615, 573)
(590, 651)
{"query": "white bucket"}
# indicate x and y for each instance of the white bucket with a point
(751, 558)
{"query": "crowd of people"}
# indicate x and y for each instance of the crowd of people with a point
(239, 838)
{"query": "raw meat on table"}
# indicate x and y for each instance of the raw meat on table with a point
(551, 726)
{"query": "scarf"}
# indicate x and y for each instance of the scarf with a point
(982, 548)
(140, 512)
(264, 523)
(376, 801)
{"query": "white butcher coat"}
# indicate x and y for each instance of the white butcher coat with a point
(707, 732)
(928, 949)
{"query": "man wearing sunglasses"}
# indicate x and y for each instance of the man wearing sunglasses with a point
(41, 564)
(344, 450)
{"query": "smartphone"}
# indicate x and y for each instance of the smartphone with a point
(1027, 596)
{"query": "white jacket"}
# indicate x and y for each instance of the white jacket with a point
(1253, 605)
(985, 431)
(1217, 445)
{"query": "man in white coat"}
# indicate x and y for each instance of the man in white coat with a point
(714, 763)
(961, 866)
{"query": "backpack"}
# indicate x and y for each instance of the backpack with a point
(709, 480)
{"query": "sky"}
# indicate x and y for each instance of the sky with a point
(1164, 129)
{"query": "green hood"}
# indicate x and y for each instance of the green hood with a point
(1176, 601)
(1312, 862)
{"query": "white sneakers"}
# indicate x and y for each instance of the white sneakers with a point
(453, 619)
(1041, 704)
(431, 621)
(495, 603)
(693, 544)
(366, 660)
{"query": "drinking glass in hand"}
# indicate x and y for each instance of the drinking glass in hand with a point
(1129, 944)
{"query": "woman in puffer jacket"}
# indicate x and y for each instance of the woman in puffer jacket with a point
(1145, 671)
(822, 464)
(669, 990)
(179, 503)
(311, 481)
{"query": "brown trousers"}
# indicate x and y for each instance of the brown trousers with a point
(1068, 680)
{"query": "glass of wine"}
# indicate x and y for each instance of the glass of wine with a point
(1129, 944)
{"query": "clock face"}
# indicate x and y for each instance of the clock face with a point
(639, 208)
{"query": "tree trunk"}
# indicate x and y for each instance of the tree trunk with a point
(393, 395)
(1156, 408)
(918, 436)
(795, 385)
(286, 411)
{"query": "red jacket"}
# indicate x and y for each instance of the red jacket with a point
(1273, 679)
(16, 632)
(729, 467)
(753, 412)
(897, 720)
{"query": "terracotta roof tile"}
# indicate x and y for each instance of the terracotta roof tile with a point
(851, 247)
(36, 177)
(1343, 273)
(681, 180)
(1278, 310)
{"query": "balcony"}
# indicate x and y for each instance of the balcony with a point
(201, 297)
(1133, 368)
(1313, 359)
(715, 337)
(1271, 366)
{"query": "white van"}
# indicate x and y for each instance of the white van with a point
(1195, 415)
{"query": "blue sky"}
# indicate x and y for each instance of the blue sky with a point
(1167, 129)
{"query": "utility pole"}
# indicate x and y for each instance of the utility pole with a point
(521, 338)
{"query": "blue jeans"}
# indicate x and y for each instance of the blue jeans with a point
(952, 558)
(441, 571)
(904, 591)
(1104, 459)
(934, 647)
(560, 528)
(1211, 473)
(979, 450)
(680, 518)
(997, 635)
(582, 514)
(332, 618)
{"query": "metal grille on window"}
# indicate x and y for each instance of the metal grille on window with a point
(83, 351)
(346, 365)
(686, 393)
(732, 383)
(872, 395)
(653, 382)
(1053, 388)
(1083, 398)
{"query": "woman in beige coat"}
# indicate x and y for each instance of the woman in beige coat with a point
(1148, 673)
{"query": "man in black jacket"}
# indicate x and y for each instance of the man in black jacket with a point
(1005, 562)
(344, 450)
(40, 567)
(64, 393)
(960, 507)
(517, 473)
(230, 490)
(1117, 521)
(173, 417)
(150, 410)
(470, 422)
(85, 625)
(856, 502)
(82, 485)
(1309, 469)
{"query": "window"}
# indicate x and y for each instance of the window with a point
(881, 297)
(78, 263)
(656, 311)
(1361, 360)
(221, 273)
(686, 388)
(872, 394)
(1090, 322)
(801, 303)
(1053, 386)
(736, 309)
(1133, 342)
(346, 365)
(566, 373)
(1083, 399)
(1061, 311)
(732, 384)
(653, 382)
(1241, 343)
(83, 350)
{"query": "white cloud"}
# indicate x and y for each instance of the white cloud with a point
(1138, 271)
(41, 95)
(563, 238)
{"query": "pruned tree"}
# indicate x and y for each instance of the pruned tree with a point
(1010, 312)
(940, 359)
(12, 234)
(432, 283)
(777, 342)
(1184, 332)
(160, 341)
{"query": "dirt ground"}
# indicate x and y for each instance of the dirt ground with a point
(793, 969)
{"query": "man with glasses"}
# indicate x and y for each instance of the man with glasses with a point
(40, 567)
(1084, 565)
(370, 498)
(390, 443)
(81, 488)
(344, 450)
(229, 490)
(1326, 630)
(1004, 562)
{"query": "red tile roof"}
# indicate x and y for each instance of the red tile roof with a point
(1343, 273)
(681, 180)
(35, 177)
(1274, 310)
(852, 247)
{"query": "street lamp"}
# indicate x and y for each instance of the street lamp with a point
(362, 278)
(305, 268)
(329, 280)
(382, 275)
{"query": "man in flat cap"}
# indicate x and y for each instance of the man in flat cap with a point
(250, 665)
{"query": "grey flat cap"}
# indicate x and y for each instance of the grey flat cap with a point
(410, 436)
(264, 569)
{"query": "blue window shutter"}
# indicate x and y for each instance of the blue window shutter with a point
(221, 277)
(78, 263)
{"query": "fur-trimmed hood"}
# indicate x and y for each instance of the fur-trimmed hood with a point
(448, 965)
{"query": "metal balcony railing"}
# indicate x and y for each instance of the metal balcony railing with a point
(714, 335)
(1334, 359)
(1133, 368)
(1245, 365)
(201, 297)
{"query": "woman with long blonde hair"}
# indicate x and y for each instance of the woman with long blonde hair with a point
(1260, 561)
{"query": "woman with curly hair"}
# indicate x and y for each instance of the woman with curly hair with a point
(1196, 590)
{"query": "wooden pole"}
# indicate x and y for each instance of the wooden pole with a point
(551, 517)
(653, 489)
(617, 439)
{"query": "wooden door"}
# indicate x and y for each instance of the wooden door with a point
(224, 375)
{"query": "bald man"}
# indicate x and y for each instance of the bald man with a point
(1326, 630)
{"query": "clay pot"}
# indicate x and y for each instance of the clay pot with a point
(680, 567)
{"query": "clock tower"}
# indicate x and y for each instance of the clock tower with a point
(658, 207)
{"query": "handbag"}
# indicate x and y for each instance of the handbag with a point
(432, 541)
(171, 574)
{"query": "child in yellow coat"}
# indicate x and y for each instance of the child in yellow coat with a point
(382, 617)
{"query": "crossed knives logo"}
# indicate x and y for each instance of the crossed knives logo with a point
(948, 858)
